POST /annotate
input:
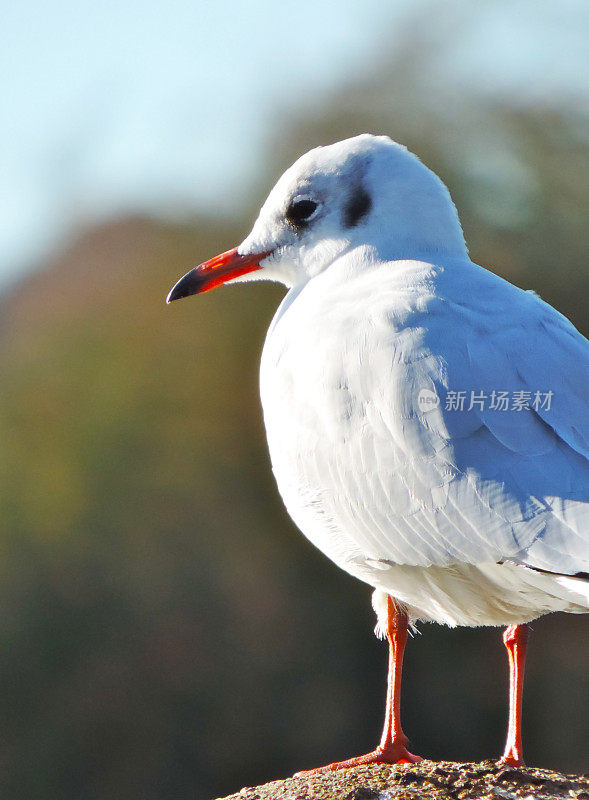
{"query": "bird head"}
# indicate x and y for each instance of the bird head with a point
(367, 190)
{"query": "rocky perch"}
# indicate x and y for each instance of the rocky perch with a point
(427, 780)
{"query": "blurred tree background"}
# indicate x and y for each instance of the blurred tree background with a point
(165, 632)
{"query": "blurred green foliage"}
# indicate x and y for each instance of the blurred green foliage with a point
(164, 630)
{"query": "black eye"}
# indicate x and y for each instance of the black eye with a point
(299, 212)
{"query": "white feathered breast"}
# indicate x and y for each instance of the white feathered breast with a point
(424, 503)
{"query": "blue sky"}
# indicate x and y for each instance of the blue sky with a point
(141, 105)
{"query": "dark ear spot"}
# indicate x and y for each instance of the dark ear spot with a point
(357, 206)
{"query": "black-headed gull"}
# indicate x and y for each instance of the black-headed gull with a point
(427, 421)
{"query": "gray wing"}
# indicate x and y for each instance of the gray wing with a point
(525, 469)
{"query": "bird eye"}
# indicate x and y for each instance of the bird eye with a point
(299, 211)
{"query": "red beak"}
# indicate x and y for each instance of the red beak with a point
(214, 272)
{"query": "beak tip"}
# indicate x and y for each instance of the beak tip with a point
(186, 286)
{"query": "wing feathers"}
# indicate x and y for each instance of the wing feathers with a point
(409, 483)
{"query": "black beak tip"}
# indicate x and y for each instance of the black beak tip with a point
(187, 285)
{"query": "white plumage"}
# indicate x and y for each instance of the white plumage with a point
(410, 499)
(465, 514)
(451, 512)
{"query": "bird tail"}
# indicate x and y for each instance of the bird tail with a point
(577, 588)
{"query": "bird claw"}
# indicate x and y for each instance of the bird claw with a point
(395, 754)
(511, 760)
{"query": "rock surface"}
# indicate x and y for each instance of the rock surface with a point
(427, 780)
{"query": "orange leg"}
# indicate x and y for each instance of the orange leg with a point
(393, 744)
(515, 638)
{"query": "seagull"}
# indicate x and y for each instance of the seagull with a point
(427, 421)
